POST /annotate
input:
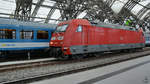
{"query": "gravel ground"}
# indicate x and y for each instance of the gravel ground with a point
(35, 71)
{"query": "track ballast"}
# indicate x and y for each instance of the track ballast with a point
(58, 68)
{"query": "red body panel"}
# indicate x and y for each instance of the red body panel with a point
(92, 35)
(95, 35)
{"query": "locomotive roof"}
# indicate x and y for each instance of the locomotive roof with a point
(100, 24)
(23, 23)
(115, 26)
(76, 21)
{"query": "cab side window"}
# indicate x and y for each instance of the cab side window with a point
(79, 29)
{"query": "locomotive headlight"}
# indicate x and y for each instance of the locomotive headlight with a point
(61, 42)
(65, 48)
(51, 43)
(60, 38)
(53, 38)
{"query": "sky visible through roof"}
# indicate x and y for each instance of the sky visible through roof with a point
(8, 6)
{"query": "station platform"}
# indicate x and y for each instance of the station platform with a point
(25, 61)
(135, 71)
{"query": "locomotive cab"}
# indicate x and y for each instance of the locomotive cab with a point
(58, 36)
(56, 42)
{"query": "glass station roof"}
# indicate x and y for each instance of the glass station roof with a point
(8, 7)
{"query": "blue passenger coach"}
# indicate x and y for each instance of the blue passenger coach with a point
(24, 36)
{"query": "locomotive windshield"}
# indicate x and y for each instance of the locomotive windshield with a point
(61, 28)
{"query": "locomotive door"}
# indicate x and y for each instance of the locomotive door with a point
(84, 37)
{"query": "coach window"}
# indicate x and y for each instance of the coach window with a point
(79, 29)
(26, 34)
(42, 34)
(7, 34)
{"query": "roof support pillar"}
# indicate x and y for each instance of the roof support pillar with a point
(37, 7)
(23, 9)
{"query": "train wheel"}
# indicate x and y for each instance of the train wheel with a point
(139, 49)
(126, 50)
(133, 50)
(77, 57)
(63, 57)
(3, 55)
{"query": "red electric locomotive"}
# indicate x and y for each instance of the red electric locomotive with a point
(79, 36)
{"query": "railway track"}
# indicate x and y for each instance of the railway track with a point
(57, 68)
(9, 67)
